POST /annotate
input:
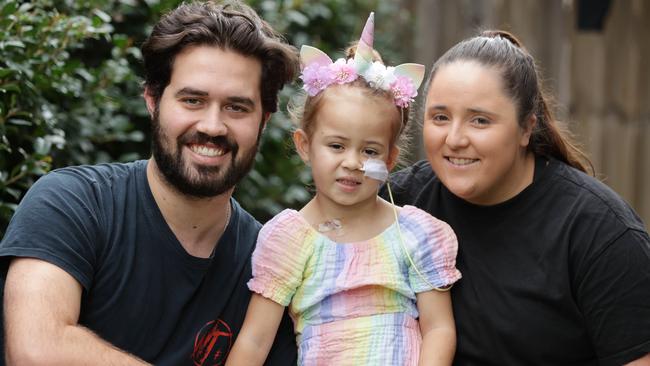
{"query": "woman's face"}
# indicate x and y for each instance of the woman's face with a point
(471, 135)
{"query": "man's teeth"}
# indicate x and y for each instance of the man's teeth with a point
(207, 151)
(461, 161)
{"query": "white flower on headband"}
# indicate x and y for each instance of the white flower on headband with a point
(379, 76)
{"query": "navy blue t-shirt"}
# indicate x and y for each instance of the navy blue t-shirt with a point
(142, 292)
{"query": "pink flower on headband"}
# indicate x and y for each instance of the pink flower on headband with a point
(316, 78)
(403, 91)
(344, 71)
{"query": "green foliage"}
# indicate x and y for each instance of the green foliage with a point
(70, 90)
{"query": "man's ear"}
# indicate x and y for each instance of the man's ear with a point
(392, 158)
(149, 100)
(265, 119)
(301, 140)
(528, 130)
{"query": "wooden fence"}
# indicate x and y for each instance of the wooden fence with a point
(600, 78)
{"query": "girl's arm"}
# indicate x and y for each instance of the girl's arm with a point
(437, 328)
(258, 332)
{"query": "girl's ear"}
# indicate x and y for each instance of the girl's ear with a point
(528, 131)
(150, 101)
(301, 140)
(392, 158)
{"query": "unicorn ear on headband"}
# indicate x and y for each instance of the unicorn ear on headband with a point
(319, 71)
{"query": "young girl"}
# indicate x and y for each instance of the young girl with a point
(364, 280)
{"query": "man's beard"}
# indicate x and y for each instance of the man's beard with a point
(200, 181)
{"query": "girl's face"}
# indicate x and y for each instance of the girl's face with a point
(471, 135)
(348, 128)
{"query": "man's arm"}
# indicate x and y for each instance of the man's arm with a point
(41, 311)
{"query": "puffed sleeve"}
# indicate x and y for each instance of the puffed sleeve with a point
(280, 256)
(432, 245)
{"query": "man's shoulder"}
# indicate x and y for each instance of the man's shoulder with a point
(244, 217)
(245, 226)
(106, 173)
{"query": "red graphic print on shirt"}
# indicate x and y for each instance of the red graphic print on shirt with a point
(212, 344)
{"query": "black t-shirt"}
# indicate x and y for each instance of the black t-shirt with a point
(142, 292)
(557, 275)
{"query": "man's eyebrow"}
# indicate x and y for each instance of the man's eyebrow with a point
(242, 100)
(190, 92)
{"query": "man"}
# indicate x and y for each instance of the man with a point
(147, 262)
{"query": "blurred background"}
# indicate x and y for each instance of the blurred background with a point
(70, 86)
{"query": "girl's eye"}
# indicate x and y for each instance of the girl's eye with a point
(371, 152)
(336, 146)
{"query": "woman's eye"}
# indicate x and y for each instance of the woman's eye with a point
(438, 118)
(481, 121)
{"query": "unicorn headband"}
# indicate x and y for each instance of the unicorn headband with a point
(319, 71)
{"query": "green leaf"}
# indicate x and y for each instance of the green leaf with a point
(10, 87)
(102, 15)
(19, 122)
(6, 72)
(18, 44)
(9, 8)
(25, 7)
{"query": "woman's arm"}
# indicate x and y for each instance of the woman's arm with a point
(437, 328)
(258, 332)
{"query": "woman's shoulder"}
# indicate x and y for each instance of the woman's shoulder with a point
(415, 174)
(590, 196)
(410, 183)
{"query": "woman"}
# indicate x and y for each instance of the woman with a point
(556, 266)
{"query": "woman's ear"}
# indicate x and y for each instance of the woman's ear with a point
(528, 131)
(150, 101)
(301, 140)
(392, 158)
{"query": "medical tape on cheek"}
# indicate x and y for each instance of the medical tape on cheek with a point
(375, 169)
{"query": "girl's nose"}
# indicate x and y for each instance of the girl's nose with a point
(352, 161)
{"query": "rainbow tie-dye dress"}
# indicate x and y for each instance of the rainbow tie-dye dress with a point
(354, 303)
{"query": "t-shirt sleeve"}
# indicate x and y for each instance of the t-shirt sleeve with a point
(614, 295)
(57, 222)
(434, 251)
(279, 258)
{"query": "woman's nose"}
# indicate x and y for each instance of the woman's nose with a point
(456, 136)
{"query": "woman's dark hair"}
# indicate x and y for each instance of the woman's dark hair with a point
(230, 26)
(506, 54)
